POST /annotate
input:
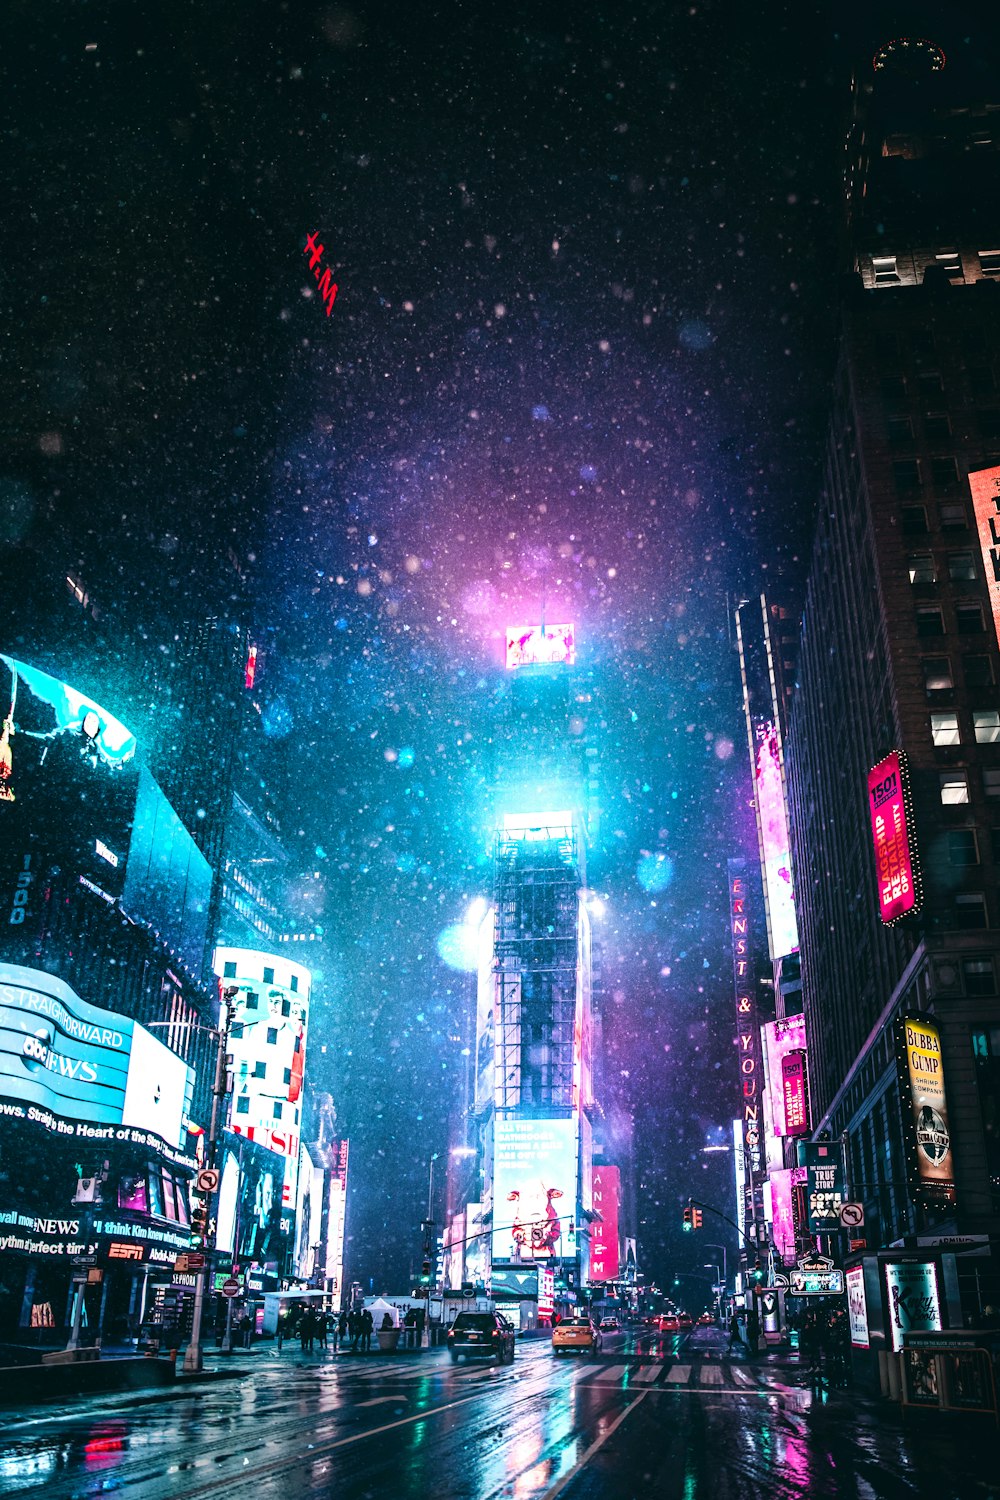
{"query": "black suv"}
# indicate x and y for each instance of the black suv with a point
(481, 1335)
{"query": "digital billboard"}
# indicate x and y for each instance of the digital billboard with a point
(81, 1071)
(534, 1189)
(67, 787)
(268, 1044)
(540, 645)
(604, 1255)
(747, 1030)
(857, 1307)
(336, 1215)
(775, 842)
(783, 1183)
(168, 881)
(248, 1208)
(485, 1016)
(824, 1184)
(784, 1047)
(913, 1300)
(985, 487)
(897, 867)
(929, 1149)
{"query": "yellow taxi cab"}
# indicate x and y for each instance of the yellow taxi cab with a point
(576, 1333)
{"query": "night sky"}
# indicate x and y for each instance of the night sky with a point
(587, 270)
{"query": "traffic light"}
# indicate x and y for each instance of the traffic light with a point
(696, 1217)
(688, 1219)
(199, 1223)
(425, 1273)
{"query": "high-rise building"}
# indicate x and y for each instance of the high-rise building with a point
(893, 745)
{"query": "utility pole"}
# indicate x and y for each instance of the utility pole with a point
(193, 1361)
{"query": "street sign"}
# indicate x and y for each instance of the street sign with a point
(852, 1215)
(231, 1287)
(195, 1261)
(84, 1260)
(207, 1180)
(468, 1288)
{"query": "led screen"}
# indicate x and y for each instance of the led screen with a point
(783, 1183)
(913, 1300)
(540, 645)
(824, 1185)
(248, 1211)
(604, 1232)
(169, 880)
(930, 1136)
(783, 932)
(67, 789)
(782, 1040)
(81, 1071)
(857, 1307)
(985, 487)
(336, 1214)
(897, 869)
(534, 1189)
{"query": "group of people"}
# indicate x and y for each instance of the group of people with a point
(315, 1328)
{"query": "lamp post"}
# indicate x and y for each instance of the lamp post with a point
(725, 1262)
(428, 1229)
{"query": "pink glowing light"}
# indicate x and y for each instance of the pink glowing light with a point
(896, 866)
(540, 645)
(782, 925)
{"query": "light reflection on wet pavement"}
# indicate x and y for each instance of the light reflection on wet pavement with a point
(659, 1418)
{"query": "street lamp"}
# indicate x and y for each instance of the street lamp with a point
(725, 1262)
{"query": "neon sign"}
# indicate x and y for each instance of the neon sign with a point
(774, 838)
(985, 487)
(746, 1021)
(540, 645)
(327, 286)
(900, 888)
(793, 1092)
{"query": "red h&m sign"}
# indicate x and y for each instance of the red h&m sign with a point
(604, 1259)
(897, 871)
(327, 286)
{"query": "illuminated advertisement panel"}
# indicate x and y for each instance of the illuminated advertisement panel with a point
(485, 1011)
(929, 1150)
(534, 1189)
(336, 1214)
(793, 1093)
(168, 881)
(604, 1259)
(739, 1162)
(857, 1307)
(897, 868)
(783, 1184)
(476, 1245)
(546, 1292)
(783, 933)
(248, 1212)
(748, 1033)
(267, 1040)
(824, 1185)
(985, 487)
(784, 1039)
(67, 787)
(913, 1300)
(540, 645)
(81, 1071)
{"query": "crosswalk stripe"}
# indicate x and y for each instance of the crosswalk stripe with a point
(615, 1372)
(741, 1376)
(711, 1375)
(646, 1374)
(589, 1374)
(679, 1375)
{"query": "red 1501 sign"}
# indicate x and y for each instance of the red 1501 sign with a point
(897, 870)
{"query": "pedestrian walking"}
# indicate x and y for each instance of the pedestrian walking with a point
(367, 1324)
(321, 1327)
(734, 1332)
(342, 1328)
(354, 1327)
(306, 1330)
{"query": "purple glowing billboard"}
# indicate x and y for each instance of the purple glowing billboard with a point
(540, 645)
(772, 814)
(897, 868)
(785, 1044)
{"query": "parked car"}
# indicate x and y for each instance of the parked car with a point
(576, 1333)
(481, 1335)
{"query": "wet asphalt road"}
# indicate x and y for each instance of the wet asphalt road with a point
(674, 1419)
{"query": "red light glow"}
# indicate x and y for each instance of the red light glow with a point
(897, 869)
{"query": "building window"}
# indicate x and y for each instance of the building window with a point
(229, 971)
(920, 566)
(914, 520)
(930, 622)
(236, 1030)
(288, 1073)
(260, 1070)
(900, 432)
(961, 567)
(253, 1000)
(268, 976)
(949, 262)
(277, 1109)
(989, 425)
(954, 788)
(243, 1104)
(981, 380)
(884, 267)
(970, 911)
(979, 976)
(986, 1051)
(893, 389)
(986, 723)
(953, 516)
(938, 429)
(963, 848)
(937, 674)
(978, 671)
(272, 1031)
(944, 473)
(944, 729)
(970, 619)
(991, 781)
(931, 388)
(906, 472)
(989, 262)
(294, 984)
